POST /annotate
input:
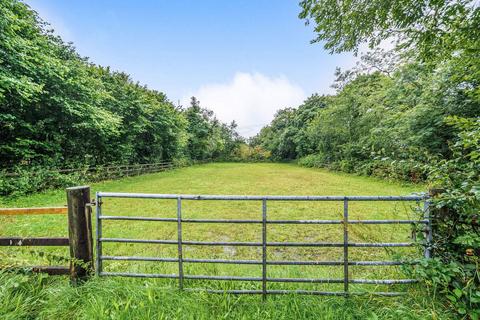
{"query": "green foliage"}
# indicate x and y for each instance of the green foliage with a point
(410, 114)
(455, 271)
(460, 177)
(207, 137)
(416, 124)
(434, 28)
(389, 126)
(312, 161)
(36, 179)
(246, 153)
(287, 137)
(58, 110)
(458, 282)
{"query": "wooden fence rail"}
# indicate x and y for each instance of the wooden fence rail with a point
(23, 242)
(79, 235)
(50, 270)
(31, 211)
(108, 171)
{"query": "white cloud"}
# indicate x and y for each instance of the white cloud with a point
(251, 99)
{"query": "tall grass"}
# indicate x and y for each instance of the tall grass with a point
(41, 297)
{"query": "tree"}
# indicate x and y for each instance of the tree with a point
(428, 124)
(207, 137)
(435, 28)
(57, 109)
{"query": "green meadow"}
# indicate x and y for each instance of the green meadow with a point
(38, 296)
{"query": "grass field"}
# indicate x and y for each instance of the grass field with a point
(28, 296)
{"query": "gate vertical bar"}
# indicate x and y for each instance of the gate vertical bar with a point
(180, 254)
(428, 229)
(98, 260)
(345, 246)
(264, 248)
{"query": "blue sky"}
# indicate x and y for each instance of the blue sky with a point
(242, 59)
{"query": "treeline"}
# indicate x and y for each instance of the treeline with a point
(57, 109)
(397, 112)
(385, 120)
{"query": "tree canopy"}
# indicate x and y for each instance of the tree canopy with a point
(435, 28)
(57, 109)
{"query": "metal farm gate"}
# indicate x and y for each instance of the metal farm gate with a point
(264, 222)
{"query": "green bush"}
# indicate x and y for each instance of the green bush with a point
(403, 170)
(456, 226)
(312, 161)
(181, 162)
(246, 153)
(34, 179)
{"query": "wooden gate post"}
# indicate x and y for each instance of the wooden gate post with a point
(80, 233)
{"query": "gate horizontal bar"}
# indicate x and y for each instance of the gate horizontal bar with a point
(221, 221)
(259, 244)
(386, 221)
(19, 241)
(373, 281)
(259, 198)
(236, 278)
(137, 218)
(341, 221)
(259, 262)
(138, 275)
(176, 220)
(121, 240)
(260, 221)
(135, 258)
(302, 292)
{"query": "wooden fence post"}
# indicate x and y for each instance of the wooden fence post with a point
(80, 233)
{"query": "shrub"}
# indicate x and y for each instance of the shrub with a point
(456, 226)
(312, 161)
(247, 153)
(34, 179)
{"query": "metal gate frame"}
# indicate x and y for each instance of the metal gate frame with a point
(426, 221)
